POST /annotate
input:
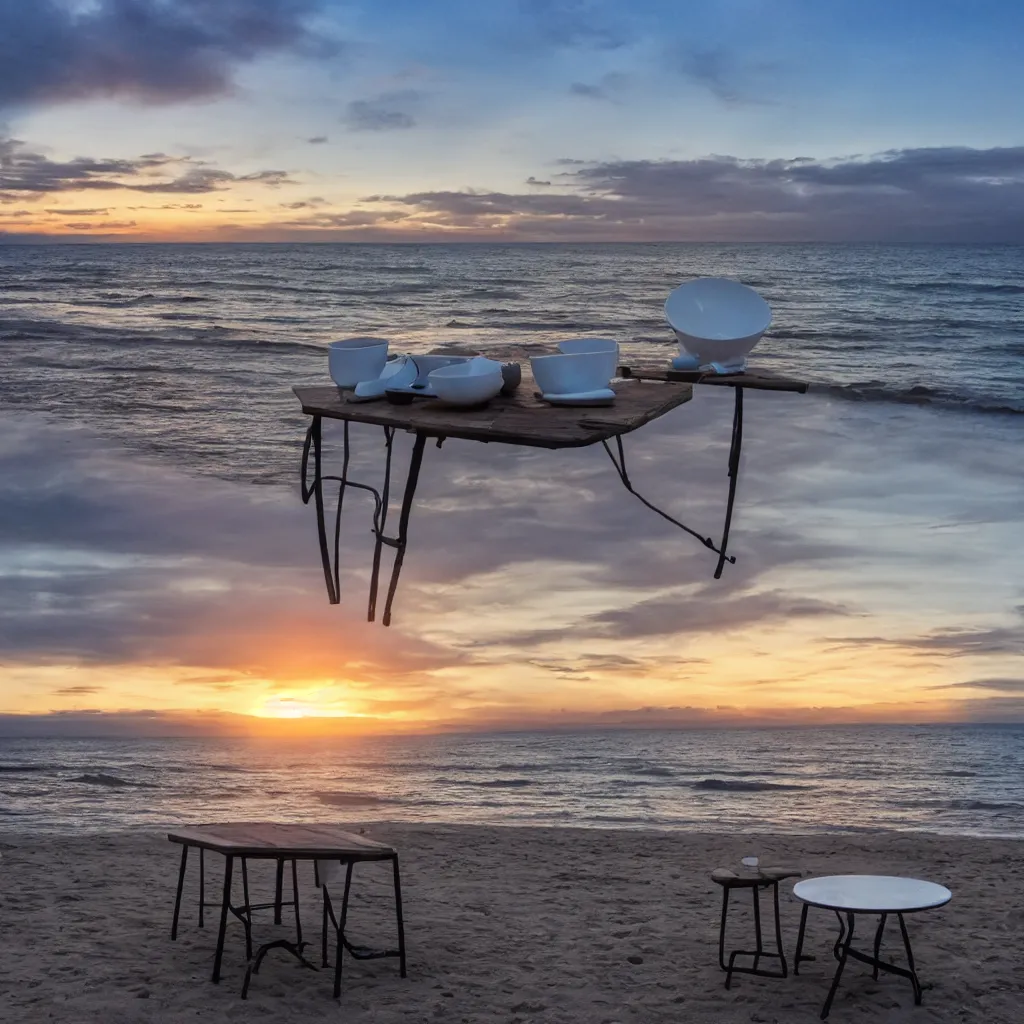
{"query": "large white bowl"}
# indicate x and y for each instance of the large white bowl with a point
(717, 320)
(607, 346)
(571, 372)
(468, 383)
(354, 360)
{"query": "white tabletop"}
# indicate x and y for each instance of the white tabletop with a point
(871, 894)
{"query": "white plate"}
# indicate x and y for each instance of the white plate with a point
(602, 396)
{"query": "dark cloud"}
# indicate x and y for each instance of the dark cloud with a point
(80, 213)
(720, 71)
(25, 171)
(937, 194)
(954, 642)
(152, 51)
(575, 24)
(317, 140)
(1000, 685)
(75, 691)
(385, 113)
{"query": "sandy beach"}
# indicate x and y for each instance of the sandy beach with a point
(503, 924)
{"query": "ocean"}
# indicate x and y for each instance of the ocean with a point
(111, 334)
(891, 493)
(958, 780)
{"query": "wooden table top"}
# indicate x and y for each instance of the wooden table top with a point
(521, 418)
(272, 840)
(756, 380)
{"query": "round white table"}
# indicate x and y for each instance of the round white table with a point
(850, 895)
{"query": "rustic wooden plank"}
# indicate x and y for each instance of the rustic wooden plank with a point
(272, 839)
(521, 418)
(755, 380)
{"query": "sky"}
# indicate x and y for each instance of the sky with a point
(590, 120)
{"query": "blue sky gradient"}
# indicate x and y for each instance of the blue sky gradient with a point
(402, 98)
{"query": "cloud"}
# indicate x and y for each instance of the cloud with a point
(576, 24)
(385, 113)
(719, 71)
(73, 691)
(939, 194)
(152, 51)
(606, 89)
(26, 171)
(80, 213)
(317, 140)
(954, 641)
(1000, 685)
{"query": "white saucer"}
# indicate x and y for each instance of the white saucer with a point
(602, 396)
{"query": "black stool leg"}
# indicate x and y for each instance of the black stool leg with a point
(399, 919)
(181, 885)
(800, 940)
(323, 937)
(759, 948)
(778, 932)
(721, 934)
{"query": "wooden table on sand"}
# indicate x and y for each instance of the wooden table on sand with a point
(522, 419)
(280, 843)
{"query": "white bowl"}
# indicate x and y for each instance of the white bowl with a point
(468, 383)
(571, 372)
(717, 320)
(609, 348)
(425, 365)
(356, 359)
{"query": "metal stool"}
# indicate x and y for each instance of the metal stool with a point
(763, 878)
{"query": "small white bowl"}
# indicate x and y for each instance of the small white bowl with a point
(354, 360)
(568, 373)
(468, 383)
(426, 365)
(605, 345)
(717, 320)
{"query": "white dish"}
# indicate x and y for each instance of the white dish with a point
(397, 373)
(569, 373)
(606, 346)
(469, 383)
(717, 320)
(599, 396)
(354, 360)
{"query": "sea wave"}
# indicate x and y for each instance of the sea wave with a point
(741, 786)
(919, 394)
(348, 799)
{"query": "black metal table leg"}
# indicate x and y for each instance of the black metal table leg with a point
(246, 912)
(403, 521)
(399, 918)
(278, 886)
(339, 952)
(878, 944)
(842, 958)
(314, 439)
(181, 885)
(202, 886)
(759, 948)
(734, 473)
(910, 961)
(778, 933)
(295, 903)
(225, 904)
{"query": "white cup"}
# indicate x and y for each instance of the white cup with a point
(354, 360)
